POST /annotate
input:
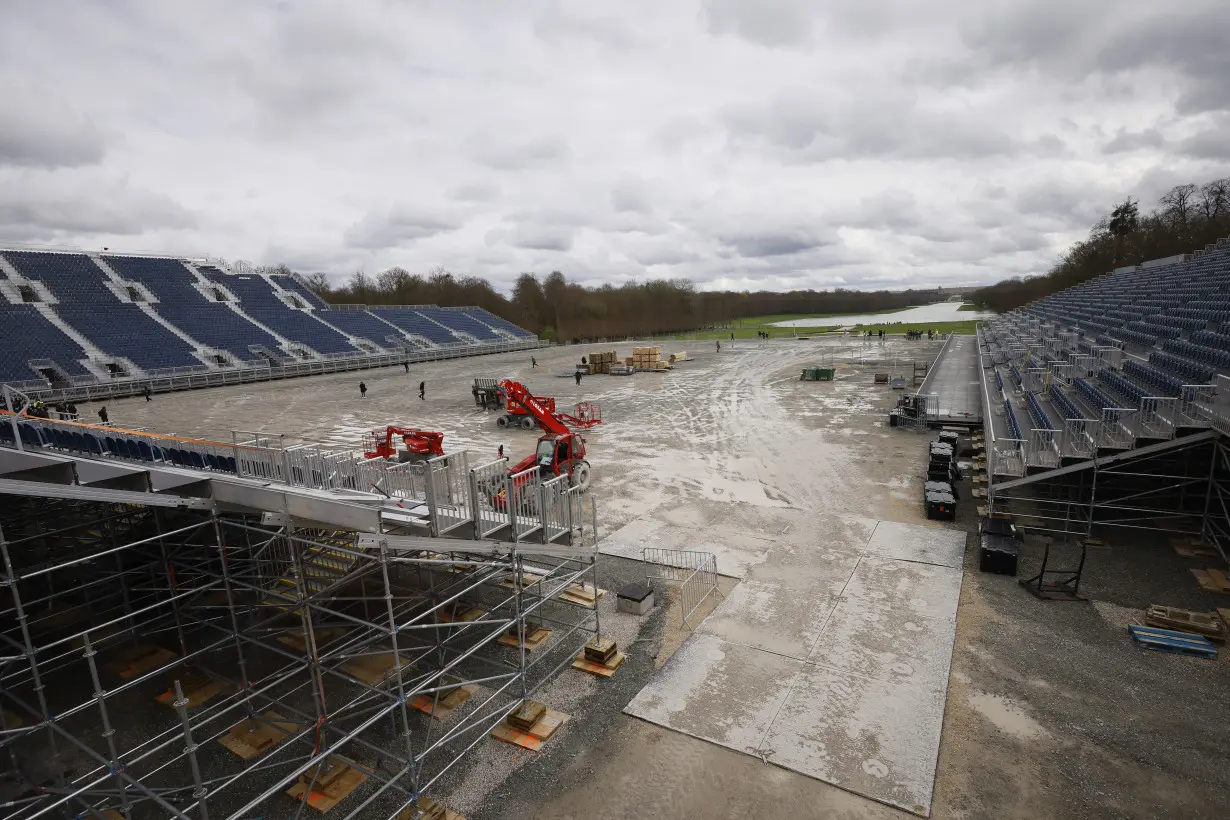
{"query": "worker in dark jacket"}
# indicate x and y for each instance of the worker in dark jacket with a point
(422, 390)
(362, 389)
(102, 415)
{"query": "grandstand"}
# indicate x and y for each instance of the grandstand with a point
(78, 325)
(1133, 365)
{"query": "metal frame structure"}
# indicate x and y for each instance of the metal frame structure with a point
(342, 642)
(1161, 468)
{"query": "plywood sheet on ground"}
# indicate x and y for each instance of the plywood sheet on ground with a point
(831, 658)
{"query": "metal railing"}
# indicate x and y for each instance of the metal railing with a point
(1045, 447)
(91, 388)
(1081, 437)
(694, 572)
(1009, 456)
(1155, 419)
(1195, 405)
(1114, 430)
(522, 502)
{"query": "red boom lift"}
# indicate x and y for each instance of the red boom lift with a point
(560, 451)
(420, 444)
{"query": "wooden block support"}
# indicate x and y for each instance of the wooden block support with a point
(335, 780)
(1211, 579)
(601, 650)
(373, 669)
(138, 660)
(442, 708)
(1207, 624)
(604, 670)
(536, 736)
(197, 689)
(252, 738)
(532, 642)
(529, 713)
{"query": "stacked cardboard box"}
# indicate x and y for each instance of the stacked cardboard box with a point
(600, 361)
(648, 358)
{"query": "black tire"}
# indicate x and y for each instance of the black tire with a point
(501, 422)
(527, 423)
(581, 476)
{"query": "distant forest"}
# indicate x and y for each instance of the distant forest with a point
(1186, 218)
(553, 307)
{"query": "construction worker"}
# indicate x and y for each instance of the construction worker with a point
(422, 390)
(72, 411)
(362, 389)
(578, 377)
(732, 337)
(102, 415)
(407, 366)
(719, 346)
(533, 363)
(146, 392)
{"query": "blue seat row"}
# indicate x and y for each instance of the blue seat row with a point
(1097, 398)
(1037, 413)
(1165, 384)
(1192, 372)
(1067, 408)
(97, 443)
(1206, 355)
(1010, 417)
(1124, 387)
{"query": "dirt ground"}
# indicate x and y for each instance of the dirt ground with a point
(1051, 710)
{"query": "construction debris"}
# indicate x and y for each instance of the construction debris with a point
(1207, 624)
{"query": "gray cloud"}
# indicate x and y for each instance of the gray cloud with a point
(41, 206)
(740, 143)
(398, 225)
(1126, 141)
(41, 130)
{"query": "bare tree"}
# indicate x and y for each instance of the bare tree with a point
(1177, 205)
(318, 283)
(1215, 199)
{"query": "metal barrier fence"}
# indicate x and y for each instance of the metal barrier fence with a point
(1009, 456)
(486, 482)
(1044, 447)
(90, 388)
(1061, 373)
(1034, 379)
(695, 572)
(554, 508)
(448, 492)
(1195, 406)
(1114, 430)
(1155, 419)
(521, 499)
(1080, 436)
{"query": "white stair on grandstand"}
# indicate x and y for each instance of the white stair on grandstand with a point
(119, 288)
(283, 294)
(285, 343)
(95, 354)
(15, 278)
(414, 337)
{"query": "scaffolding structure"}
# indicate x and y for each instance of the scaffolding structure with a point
(174, 656)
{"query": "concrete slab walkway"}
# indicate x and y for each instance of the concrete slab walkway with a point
(831, 658)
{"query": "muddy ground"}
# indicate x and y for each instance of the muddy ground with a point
(1051, 710)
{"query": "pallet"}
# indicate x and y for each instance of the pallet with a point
(197, 688)
(252, 738)
(1214, 580)
(533, 641)
(1205, 624)
(138, 660)
(1167, 640)
(331, 787)
(459, 614)
(604, 670)
(978, 492)
(538, 734)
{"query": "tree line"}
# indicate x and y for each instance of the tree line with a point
(553, 307)
(1186, 218)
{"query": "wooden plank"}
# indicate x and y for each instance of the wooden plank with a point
(137, 660)
(252, 738)
(1206, 581)
(197, 688)
(536, 736)
(460, 614)
(605, 670)
(373, 669)
(1207, 624)
(532, 642)
(296, 640)
(332, 786)
(1224, 612)
(441, 709)
(1219, 578)
(585, 596)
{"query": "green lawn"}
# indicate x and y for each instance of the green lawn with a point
(968, 306)
(746, 328)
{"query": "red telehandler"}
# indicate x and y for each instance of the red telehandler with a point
(560, 451)
(516, 414)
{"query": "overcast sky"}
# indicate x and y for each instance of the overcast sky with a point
(740, 143)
